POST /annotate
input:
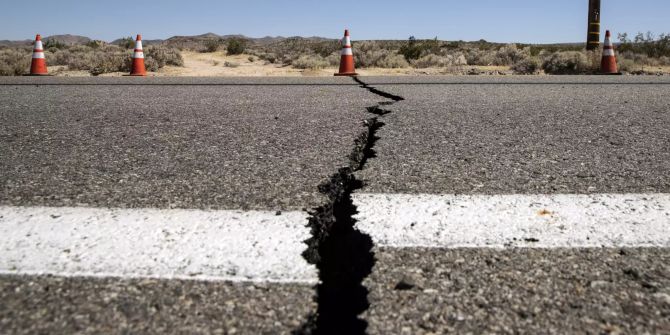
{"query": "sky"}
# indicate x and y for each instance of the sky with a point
(528, 21)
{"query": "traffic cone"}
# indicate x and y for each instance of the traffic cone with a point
(38, 66)
(608, 64)
(347, 60)
(138, 68)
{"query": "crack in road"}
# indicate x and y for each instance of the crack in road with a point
(343, 254)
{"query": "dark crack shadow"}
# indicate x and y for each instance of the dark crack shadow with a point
(386, 95)
(343, 254)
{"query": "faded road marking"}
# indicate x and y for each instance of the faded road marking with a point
(500, 221)
(155, 243)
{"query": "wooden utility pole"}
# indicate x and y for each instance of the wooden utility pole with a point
(593, 39)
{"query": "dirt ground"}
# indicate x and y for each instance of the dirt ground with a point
(218, 64)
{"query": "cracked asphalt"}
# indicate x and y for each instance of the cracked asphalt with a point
(267, 143)
(553, 135)
(188, 143)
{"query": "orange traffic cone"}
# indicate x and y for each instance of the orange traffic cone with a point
(138, 68)
(347, 60)
(608, 64)
(38, 66)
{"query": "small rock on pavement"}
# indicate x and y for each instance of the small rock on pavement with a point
(664, 297)
(405, 284)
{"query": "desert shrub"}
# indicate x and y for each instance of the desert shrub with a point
(126, 43)
(510, 54)
(434, 61)
(110, 61)
(164, 56)
(251, 59)
(104, 59)
(212, 45)
(627, 65)
(310, 62)
(230, 64)
(151, 64)
(393, 61)
(325, 48)
(50, 43)
(236, 46)
(526, 66)
(415, 49)
(334, 58)
(373, 54)
(369, 58)
(95, 44)
(646, 44)
(269, 57)
(480, 57)
(14, 62)
(567, 62)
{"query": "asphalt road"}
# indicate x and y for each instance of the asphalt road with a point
(555, 135)
(267, 144)
(189, 143)
(197, 144)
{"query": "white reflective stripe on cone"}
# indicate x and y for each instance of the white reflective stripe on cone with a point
(347, 41)
(347, 52)
(608, 53)
(138, 55)
(38, 45)
(138, 45)
(38, 55)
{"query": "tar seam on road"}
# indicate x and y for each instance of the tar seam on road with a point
(343, 254)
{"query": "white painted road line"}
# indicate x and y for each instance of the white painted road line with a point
(500, 221)
(153, 243)
(264, 247)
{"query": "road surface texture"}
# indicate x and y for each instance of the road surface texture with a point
(559, 135)
(417, 205)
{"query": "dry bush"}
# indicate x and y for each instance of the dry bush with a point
(628, 65)
(14, 61)
(393, 61)
(439, 61)
(96, 61)
(334, 58)
(569, 62)
(510, 54)
(112, 58)
(310, 62)
(374, 54)
(236, 46)
(164, 55)
(505, 55)
(526, 66)
(211, 45)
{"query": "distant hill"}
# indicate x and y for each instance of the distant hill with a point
(120, 41)
(8, 43)
(68, 39)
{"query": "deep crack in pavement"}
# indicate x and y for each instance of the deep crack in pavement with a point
(343, 254)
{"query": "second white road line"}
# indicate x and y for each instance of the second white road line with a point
(154, 243)
(503, 221)
(264, 247)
